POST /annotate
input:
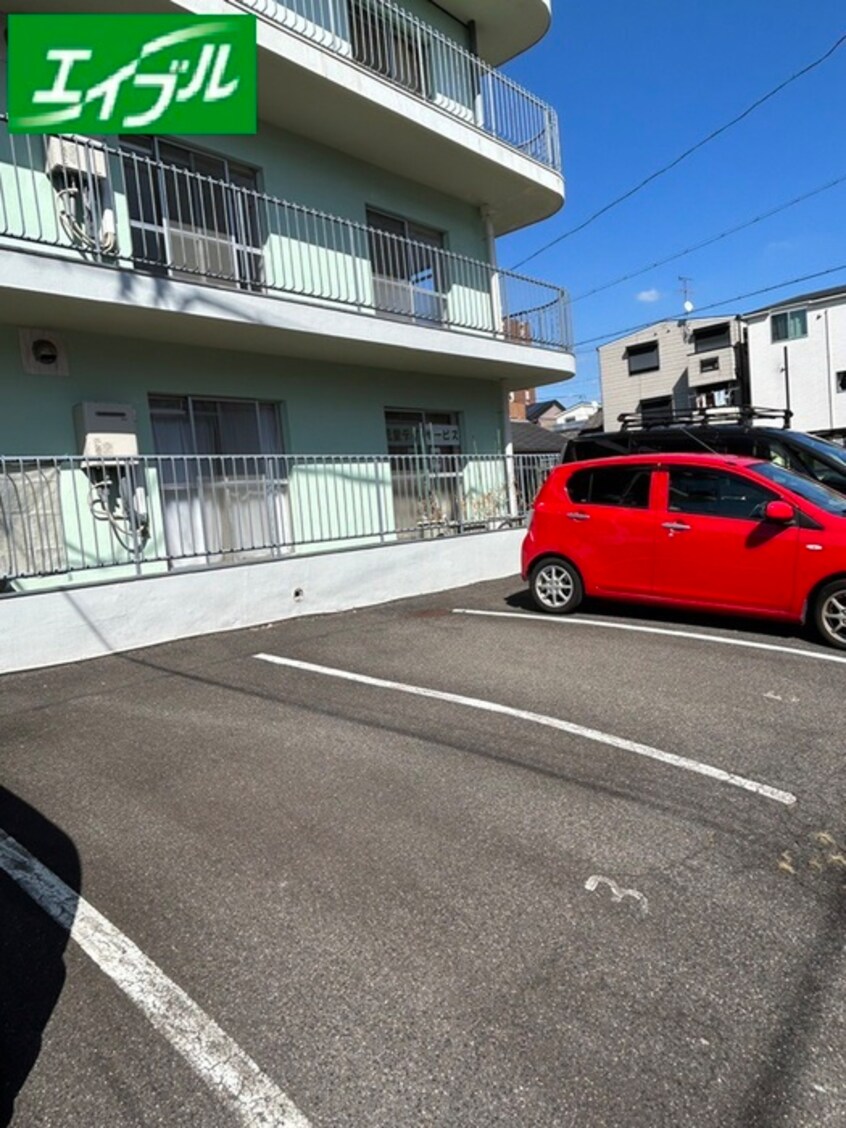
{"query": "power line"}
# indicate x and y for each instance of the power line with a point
(713, 305)
(709, 242)
(688, 152)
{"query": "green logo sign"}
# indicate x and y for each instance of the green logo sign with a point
(132, 74)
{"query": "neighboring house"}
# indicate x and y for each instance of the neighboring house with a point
(791, 354)
(673, 366)
(327, 287)
(531, 439)
(574, 419)
(544, 413)
(797, 359)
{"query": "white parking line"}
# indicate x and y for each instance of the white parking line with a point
(567, 620)
(251, 1096)
(540, 719)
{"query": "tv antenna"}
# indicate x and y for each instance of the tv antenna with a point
(686, 290)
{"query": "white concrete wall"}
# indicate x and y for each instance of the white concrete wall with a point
(580, 413)
(51, 628)
(813, 362)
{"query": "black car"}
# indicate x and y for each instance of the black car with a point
(722, 433)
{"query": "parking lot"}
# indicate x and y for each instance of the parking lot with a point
(445, 861)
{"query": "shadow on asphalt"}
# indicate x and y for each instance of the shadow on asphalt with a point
(668, 802)
(789, 1061)
(667, 617)
(32, 946)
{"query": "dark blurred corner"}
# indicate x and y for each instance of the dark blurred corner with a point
(32, 946)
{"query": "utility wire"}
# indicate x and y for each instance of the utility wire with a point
(711, 241)
(713, 305)
(688, 152)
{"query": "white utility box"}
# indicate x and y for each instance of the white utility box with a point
(106, 431)
(71, 154)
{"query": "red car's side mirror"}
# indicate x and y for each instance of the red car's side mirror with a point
(779, 511)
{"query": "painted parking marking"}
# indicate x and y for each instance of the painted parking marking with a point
(252, 1098)
(567, 621)
(608, 739)
(618, 894)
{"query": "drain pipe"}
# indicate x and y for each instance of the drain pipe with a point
(829, 374)
(478, 103)
(495, 288)
(496, 310)
(510, 469)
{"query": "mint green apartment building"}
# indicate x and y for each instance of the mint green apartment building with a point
(217, 347)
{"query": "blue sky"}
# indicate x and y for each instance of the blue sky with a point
(635, 83)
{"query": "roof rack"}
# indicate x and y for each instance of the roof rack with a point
(744, 416)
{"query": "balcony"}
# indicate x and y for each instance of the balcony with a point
(391, 90)
(503, 29)
(152, 240)
(419, 60)
(383, 86)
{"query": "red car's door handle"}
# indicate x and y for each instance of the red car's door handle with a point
(579, 516)
(676, 527)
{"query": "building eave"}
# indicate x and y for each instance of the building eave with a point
(119, 304)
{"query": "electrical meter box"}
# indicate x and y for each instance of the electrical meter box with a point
(106, 431)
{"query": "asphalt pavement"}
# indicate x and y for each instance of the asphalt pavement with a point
(416, 866)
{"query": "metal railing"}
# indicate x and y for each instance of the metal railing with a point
(413, 55)
(61, 518)
(121, 208)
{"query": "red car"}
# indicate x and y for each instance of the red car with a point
(702, 531)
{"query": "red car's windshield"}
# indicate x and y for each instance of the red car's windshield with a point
(815, 492)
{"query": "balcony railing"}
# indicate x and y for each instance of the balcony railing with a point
(65, 518)
(119, 208)
(413, 55)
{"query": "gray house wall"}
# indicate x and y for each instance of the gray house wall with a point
(680, 367)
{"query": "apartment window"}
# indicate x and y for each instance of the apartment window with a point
(643, 358)
(789, 325)
(409, 268)
(712, 337)
(715, 395)
(840, 378)
(194, 425)
(422, 432)
(192, 215)
(388, 45)
(656, 408)
(710, 364)
(226, 498)
(426, 471)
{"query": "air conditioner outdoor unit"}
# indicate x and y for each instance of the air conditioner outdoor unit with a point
(72, 154)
